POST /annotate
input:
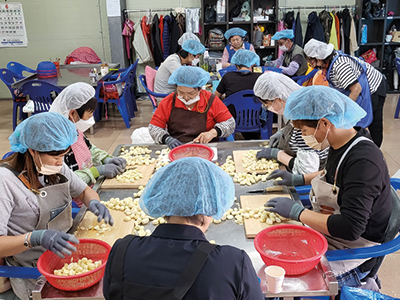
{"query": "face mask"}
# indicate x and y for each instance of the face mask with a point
(283, 48)
(191, 101)
(278, 112)
(195, 61)
(312, 142)
(84, 125)
(47, 169)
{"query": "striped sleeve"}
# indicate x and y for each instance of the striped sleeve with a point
(227, 127)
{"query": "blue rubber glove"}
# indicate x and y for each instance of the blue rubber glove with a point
(274, 139)
(268, 153)
(118, 161)
(287, 178)
(172, 142)
(286, 207)
(101, 211)
(109, 170)
(55, 241)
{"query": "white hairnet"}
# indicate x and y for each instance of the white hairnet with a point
(72, 97)
(317, 49)
(186, 187)
(187, 36)
(317, 102)
(272, 85)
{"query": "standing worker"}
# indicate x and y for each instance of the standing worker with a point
(176, 261)
(190, 114)
(292, 61)
(77, 103)
(235, 38)
(35, 206)
(356, 79)
(352, 198)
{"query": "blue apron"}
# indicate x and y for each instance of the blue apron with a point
(364, 99)
(232, 51)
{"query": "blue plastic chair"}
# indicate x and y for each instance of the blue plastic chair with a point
(150, 93)
(41, 93)
(300, 80)
(18, 68)
(397, 112)
(248, 110)
(122, 102)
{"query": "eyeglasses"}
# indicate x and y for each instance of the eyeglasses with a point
(281, 43)
(267, 103)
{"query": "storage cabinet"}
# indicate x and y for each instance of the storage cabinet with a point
(377, 28)
(268, 23)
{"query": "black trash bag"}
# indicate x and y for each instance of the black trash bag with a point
(367, 10)
(376, 10)
(210, 15)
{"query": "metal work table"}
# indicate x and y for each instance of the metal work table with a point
(68, 74)
(318, 282)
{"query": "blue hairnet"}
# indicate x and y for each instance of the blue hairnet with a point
(189, 76)
(283, 34)
(193, 47)
(316, 102)
(186, 187)
(235, 31)
(44, 132)
(246, 58)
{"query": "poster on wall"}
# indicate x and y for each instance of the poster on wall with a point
(12, 25)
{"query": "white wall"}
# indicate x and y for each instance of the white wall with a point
(55, 28)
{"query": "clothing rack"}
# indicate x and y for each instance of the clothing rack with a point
(317, 7)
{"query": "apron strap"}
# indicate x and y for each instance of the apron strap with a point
(355, 142)
(119, 288)
(21, 177)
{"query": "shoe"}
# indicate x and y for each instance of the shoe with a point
(29, 107)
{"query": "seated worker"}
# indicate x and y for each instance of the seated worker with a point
(292, 61)
(35, 206)
(191, 49)
(355, 78)
(156, 267)
(352, 198)
(286, 145)
(190, 114)
(235, 38)
(77, 103)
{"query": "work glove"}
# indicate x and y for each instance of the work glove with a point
(284, 206)
(118, 161)
(172, 142)
(101, 211)
(274, 139)
(267, 153)
(287, 178)
(109, 170)
(55, 241)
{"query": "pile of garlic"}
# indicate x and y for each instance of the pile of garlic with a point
(129, 176)
(162, 159)
(99, 228)
(135, 150)
(83, 265)
(139, 160)
(251, 163)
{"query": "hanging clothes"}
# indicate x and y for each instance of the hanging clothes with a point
(346, 30)
(155, 40)
(192, 20)
(333, 36)
(298, 32)
(353, 38)
(314, 28)
(161, 27)
(337, 27)
(326, 21)
(181, 22)
(127, 32)
(289, 19)
(166, 36)
(174, 35)
(140, 45)
(145, 26)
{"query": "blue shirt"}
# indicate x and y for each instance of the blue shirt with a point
(159, 260)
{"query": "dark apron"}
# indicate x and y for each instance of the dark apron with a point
(56, 214)
(119, 288)
(186, 125)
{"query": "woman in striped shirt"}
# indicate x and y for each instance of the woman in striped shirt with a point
(355, 78)
(287, 145)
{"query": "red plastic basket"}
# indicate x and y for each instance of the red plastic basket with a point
(297, 249)
(191, 150)
(89, 248)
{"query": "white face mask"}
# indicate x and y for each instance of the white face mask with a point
(84, 125)
(191, 101)
(283, 48)
(312, 142)
(47, 169)
(278, 112)
(195, 61)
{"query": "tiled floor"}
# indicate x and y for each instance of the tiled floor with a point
(112, 132)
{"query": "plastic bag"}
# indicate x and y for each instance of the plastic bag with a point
(210, 15)
(351, 293)
(364, 34)
(306, 161)
(142, 136)
(369, 56)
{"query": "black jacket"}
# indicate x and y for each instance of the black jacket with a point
(314, 29)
